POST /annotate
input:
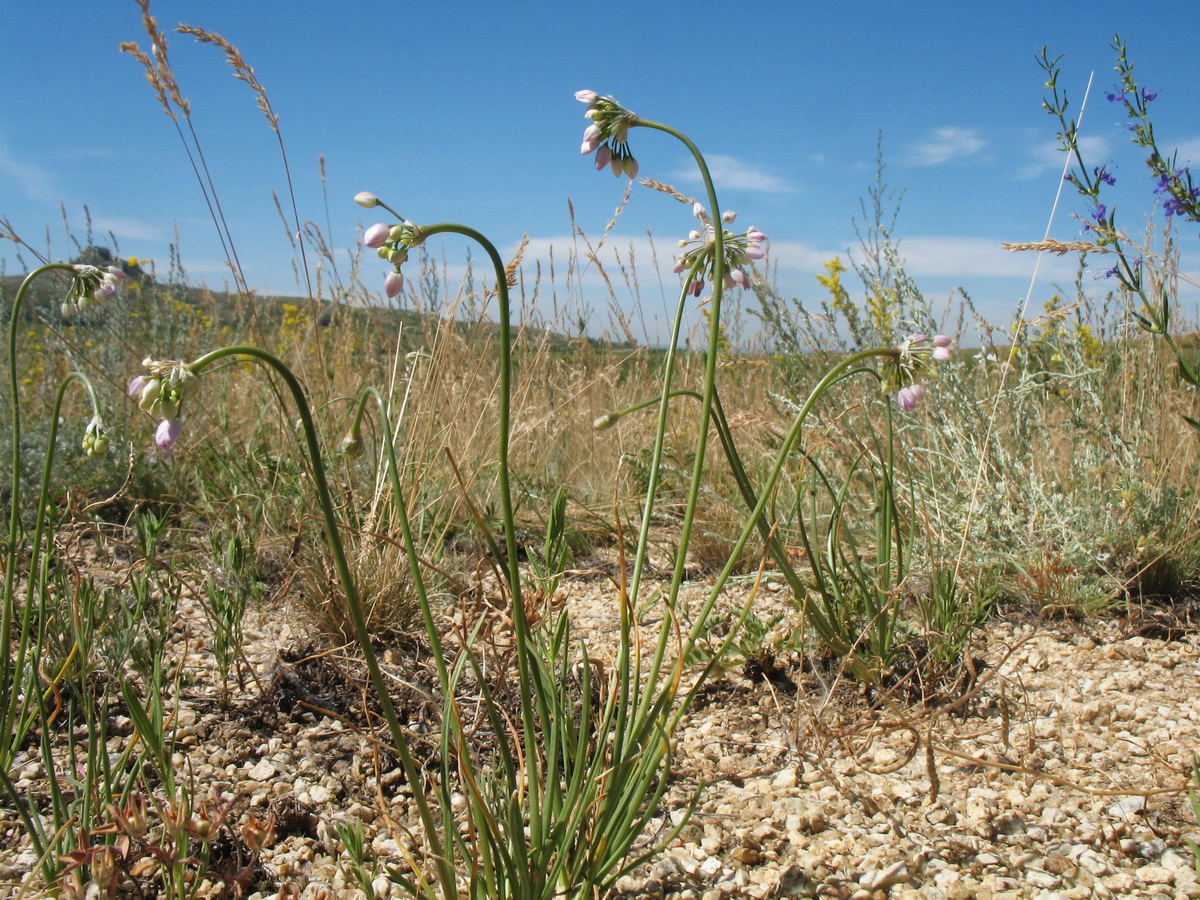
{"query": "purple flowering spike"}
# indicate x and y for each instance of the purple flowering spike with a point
(167, 433)
(375, 236)
(393, 283)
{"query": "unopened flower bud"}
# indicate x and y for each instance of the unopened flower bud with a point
(167, 433)
(117, 273)
(755, 252)
(375, 236)
(728, 216)
(366, 199)
(606, 421)
(631, 167)
(151, 389)
(699, 211)
(941, 354)
(603, 156)
(352, 446)
(588, 97)
(397, 257)
(908, 397)
(396, 233)
(393, 283)
(942, 340)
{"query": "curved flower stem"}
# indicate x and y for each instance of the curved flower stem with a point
(625, 733)
(353, 600)
(7, 669)
(706, 406)
(843, 369)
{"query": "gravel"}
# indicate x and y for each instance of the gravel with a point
(1062, 777)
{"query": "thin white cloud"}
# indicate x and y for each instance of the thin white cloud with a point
(1049, 157)
(33, 181)
(1189, 152)
(947, 144)
(731, 173)
(129, 229)
(934, 256)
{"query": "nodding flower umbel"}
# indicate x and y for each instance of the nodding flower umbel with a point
(700, 251)
(915, 356)
(608, 134)
(92, 285)
(390, 242)
(161, 393)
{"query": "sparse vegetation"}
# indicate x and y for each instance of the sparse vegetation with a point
(894, 499)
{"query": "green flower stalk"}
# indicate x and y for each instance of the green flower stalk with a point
(88, 285)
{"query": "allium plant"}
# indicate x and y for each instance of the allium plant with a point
(28, 614)
(1139, 272)
(557, 804)
(594, 769)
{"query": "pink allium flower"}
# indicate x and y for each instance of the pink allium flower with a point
(591, 138)
(136, 385)
(586, 96)
(754, 235)
(907, 398)
(168, 433)
(941, 354)
(631, 167)
(754, 251)
(375, 236)
(699, 211)
(393, 284)
(738, 277)
(116, 273)
(942, 340)
(603, 157)
(728, 216)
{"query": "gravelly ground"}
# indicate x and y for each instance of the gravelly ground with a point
(1060, 778)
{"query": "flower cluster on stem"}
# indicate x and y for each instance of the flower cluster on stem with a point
(91, 285)
(95, 438)
(914, 357)
(390, 242)
(161, 393)
(608, 135)
(699, 251)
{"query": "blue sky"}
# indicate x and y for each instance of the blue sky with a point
(463, 111)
